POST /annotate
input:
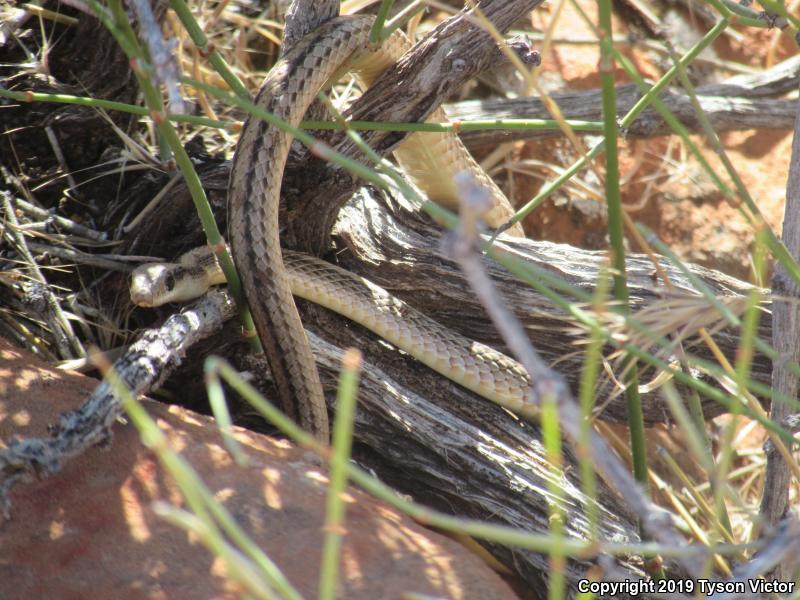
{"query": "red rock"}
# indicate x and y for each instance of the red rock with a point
(89, 531)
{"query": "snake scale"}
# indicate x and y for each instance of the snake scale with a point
(270, 277)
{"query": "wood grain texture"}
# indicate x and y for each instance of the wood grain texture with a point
(731, 113)
(452, 54)
(399, 249)
(430, 438)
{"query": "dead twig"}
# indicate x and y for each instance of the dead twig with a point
(146, 364)
(68, 344)
(546, 382)
(786, 340)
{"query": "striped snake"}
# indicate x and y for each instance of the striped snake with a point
(270, 277)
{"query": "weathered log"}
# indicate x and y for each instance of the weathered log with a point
(726, 113)
(398, 248)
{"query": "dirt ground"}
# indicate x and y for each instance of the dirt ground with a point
(664, 187)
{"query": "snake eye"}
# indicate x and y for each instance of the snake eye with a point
(169, 283)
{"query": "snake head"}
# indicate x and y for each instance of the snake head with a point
(155, 284)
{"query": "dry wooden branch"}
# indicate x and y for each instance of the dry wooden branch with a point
(725, 114)
(314, 190)
(427, 436)
(398, 248)
(143, 368)
(739, 103)
(391, 244)
(786, 340)
(452, 54)
(478, 461)
(422, 434)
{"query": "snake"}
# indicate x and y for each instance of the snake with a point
(270, 277)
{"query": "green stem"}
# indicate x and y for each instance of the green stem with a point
(495, 533)
(342, 443)
(458, 126)
(201, 41)
(586, 395)
(617, 236)
(461, 126)
(551, 439)
(548, 189)
(402, 17)
(777, 8)
(121, 29)
(376, 34)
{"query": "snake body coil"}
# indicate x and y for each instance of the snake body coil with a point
(475, 366)
(338, 46)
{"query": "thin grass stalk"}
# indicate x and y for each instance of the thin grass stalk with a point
(403, 17)
(692, 433)
(616, 236)
(551, 439)
(744, 355)
(702, 507)
(240, 569)
(695, 406)
(745, 393)
(342, 440)
(67, 343)
(696, 410)
(732, 319)
(222, 417)
(695, 439)
(631, 116)
(692, 528)
(198, 497)
(690, 519)
(43, 13)
(207, 50)
(698, 284)
(377, 34)
(586, 398)
(749, 325)
(495, 533)
(121, 29)
(546, 43)
(712, 472)
(27, 338)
